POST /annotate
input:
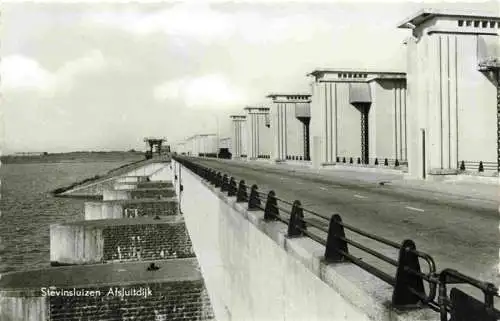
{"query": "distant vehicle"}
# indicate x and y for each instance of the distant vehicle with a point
(224, 153)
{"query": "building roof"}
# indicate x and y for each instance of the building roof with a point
(259, 108)
(319, 71)
(428, 13)
(302, 95)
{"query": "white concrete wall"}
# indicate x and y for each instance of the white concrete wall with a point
(287, 131)
(266, 137)
(100, 210)
(111, 194)
(259, 137)
(238, 138)
(76, 244)
(387, 120)
(127, 179)
(124, 186)
(476, 96)
(335, 123)
(23, 308)
(145, 170)
(163, 174)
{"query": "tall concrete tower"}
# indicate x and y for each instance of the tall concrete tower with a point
(238, 136)
(452, 92)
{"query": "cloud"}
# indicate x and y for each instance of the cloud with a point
(207, 91)
(201, 22)
(20, 73)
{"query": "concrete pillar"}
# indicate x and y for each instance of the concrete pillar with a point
(259, 135)
(238, 137)
(287, 129)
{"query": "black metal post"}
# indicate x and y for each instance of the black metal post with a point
(242, 195)
(364, 134)
(334, 241)
(403, 297)
(232, 189)
(224, 185)
(271, 210)
(254, 199)
(296, 225)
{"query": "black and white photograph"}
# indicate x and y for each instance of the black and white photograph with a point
(260, 160)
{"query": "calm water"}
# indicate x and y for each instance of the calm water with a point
(27, 210)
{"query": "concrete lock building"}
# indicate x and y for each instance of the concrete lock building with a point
(452, 92)
(239, 136)
(358, 115)
(180, 147)
(259, 134)
(202, 145)
(290, 117)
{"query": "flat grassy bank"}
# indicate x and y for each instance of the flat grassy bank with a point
(74, 157)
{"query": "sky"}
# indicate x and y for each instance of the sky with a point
(102, 76)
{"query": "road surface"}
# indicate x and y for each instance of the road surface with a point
(459, 233)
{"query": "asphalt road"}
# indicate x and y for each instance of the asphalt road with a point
(458, 233)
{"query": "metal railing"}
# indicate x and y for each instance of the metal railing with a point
(330, 231)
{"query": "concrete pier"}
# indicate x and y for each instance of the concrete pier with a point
(110, 240)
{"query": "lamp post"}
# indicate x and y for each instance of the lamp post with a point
(217, 145)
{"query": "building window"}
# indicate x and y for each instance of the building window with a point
(460, 23)
(484, 24)
(468, 23)
(476, 23)
(492, 24)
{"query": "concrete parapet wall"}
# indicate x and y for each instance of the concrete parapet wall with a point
(101, 241)
(163, 174)
(124, 209)
(147, 170)
(254, 272)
